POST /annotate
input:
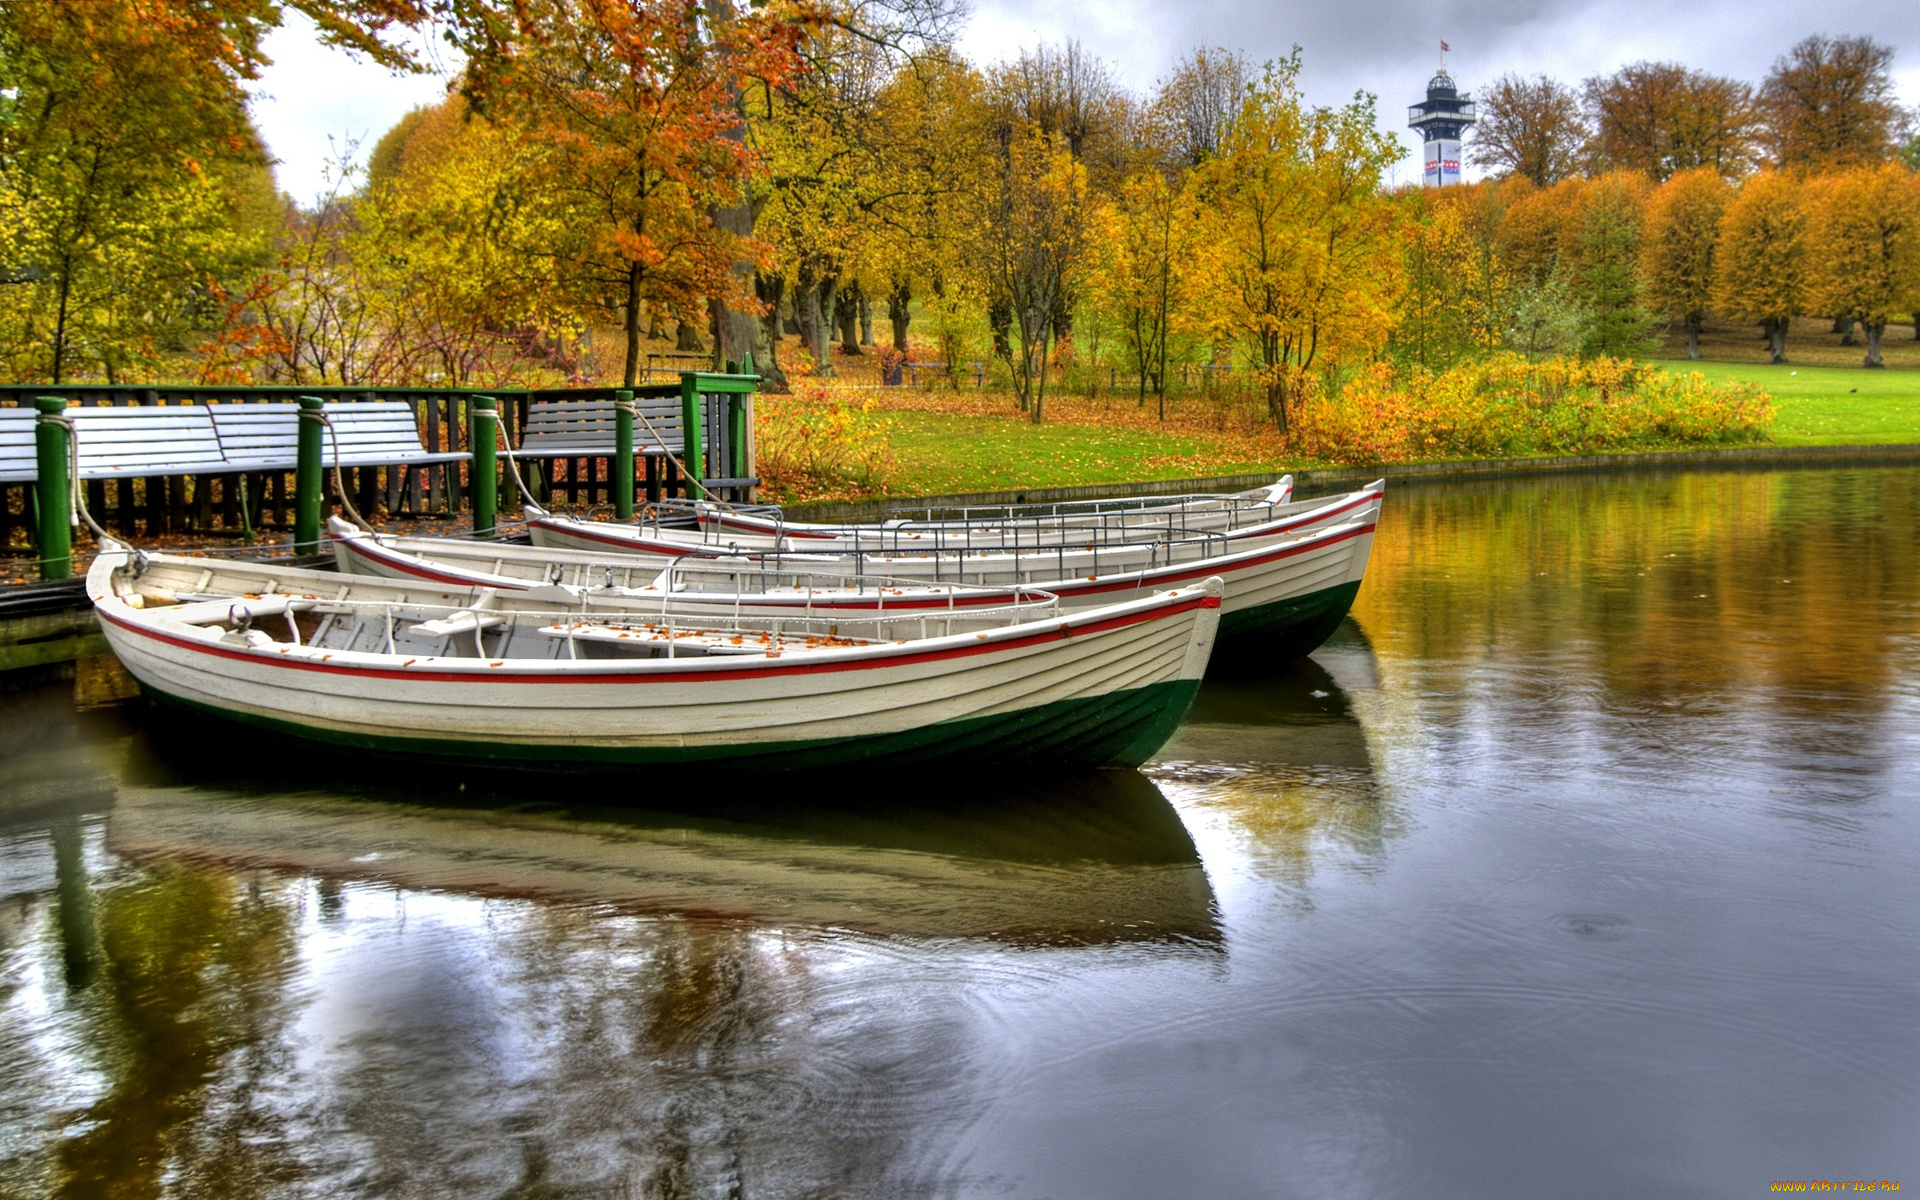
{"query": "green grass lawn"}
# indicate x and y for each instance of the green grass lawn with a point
(941, 453)
(1830, 406)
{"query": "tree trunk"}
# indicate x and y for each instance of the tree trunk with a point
(866, 318)
(806, 312)
(1844, 327)
(736, 331)
(1875, 329)
(656, 331)
(1000, 320)
(900, 312)
(823, 324)
(846, 314)
(1777, 339)
(1693, 337)
(686, 338)
(770, 289)
(631, 374)
(60, 320)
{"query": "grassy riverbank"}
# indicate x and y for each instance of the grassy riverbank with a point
(941, 442)
(1829, 406)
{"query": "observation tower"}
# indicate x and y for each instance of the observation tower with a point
(1441, 119)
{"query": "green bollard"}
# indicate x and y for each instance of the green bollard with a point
(693, 432)
(308, 476)
(53, 489)
(483, 477)
(623, 455)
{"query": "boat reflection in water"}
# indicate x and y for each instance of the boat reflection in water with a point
(1284, 763)
(1093, 857)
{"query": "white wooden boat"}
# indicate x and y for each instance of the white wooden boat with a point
(550, 679)
(1263, 520)
(1190, 512)
(1284, 594)
(649, 579)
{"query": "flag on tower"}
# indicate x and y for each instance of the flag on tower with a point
(1444, 48)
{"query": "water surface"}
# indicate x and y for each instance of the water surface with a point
(1584, 862)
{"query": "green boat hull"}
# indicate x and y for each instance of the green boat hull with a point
(1271, 635)
(1122, 729)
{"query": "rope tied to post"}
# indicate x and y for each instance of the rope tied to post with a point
(77, 495)
(513, 464)
(320, 415)
(633, 407)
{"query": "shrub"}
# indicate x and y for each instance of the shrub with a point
(1505, 406)
(811, 446)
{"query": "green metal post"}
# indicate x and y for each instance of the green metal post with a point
(692, 421)
(308, 477)
(743, 428)
(623, 455)
(53, 490)
(485, 472)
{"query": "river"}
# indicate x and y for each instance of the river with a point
(1585, 861)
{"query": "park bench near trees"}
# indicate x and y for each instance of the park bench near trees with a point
(941, 370)
(220, 460)
(580, 427)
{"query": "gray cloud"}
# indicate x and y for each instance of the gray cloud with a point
(1390, 47)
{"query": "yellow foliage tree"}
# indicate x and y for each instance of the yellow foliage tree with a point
(1455, 283)
(1864, 249)
(1681, 234)
(1761, 256)
(1297, 237)
(1143, 238)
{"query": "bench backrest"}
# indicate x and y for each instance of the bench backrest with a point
(118, 442)
(584, 428)
(262, 437)
(128, 442)
(17, 461)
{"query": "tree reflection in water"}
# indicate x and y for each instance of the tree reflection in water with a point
(212, 984)
(437, 992)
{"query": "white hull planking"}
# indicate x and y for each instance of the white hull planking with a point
(736, 701)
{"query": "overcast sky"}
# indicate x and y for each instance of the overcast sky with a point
(312, 98)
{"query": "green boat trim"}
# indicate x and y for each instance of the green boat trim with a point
(1121, 729)
(1262, 637)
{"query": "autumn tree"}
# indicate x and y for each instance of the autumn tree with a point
(1528, 127)
(1142, 244)
(1831, 102)
(1455, 285)
(1864, 250)
(1032, 235)
(1761, 256)
(1662, 118)
(451, 235)
(1606, 266)
(136, 178)
(1297, 233)
(1681, 235)
(1193, 106)
(1539, 232)
(928, 169)
(633, 107)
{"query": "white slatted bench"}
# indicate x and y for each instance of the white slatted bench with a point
(371, 433)
(119, 443)
(17, 461)
(584, 428)
(580, 428)
(134, 443)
